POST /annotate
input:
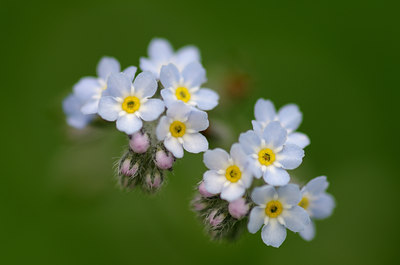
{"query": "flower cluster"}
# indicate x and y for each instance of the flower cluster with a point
(232, 193)
(162, 109)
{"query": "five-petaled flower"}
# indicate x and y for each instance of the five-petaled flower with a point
(129, 103)
(277, 210)
(269, 155)
(181, 127)
(228, 174)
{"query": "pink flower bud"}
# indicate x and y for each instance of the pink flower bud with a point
(239, 208)
(133, 170)
(164, 160)
(214, 220)
(153, 181)
(139, 142)
(203, 191)
(125, 168)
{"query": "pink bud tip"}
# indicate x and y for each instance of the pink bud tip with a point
(215, 220)
(139, 142)
(239, 208)
(164, 160)
(125, 168)
(203, 191)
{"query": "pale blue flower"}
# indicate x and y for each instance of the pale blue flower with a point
(72, 108)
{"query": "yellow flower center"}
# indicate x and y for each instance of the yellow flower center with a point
(304, 203)
(177, 129)
(131, 104)
(273, 209)
(104, 87)
(182, 93)
(266, 157)
(233, 174)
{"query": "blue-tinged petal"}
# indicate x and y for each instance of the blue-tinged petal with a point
(160, 49)
(291, 156)
(151, 109)
(257, 128)
(86, 88)
(118, 85)
(186, 55)
(276, 176)
(213, 182)
(107, 66)
(179, 111)
(75, 118)
(263, 194)
(273, 234)
(256, 219)
(238, 155)
(109, 108)
(172, 144)
(195, 143)
(289, 194)
(162, 129)
(264, 111)
(299, 139)
(151, 66)
(254, 167)
(250, 142)
(129, 123)
(130, 72)
(194, 75)
(290, 117)
(274, 135)
(145, 85)
(168, 97)
(170, 76)
(205, 99)
(197, 120)
(216, 159)
(90, 107)
(296, 218)
(322, 207)
(308, 233)
(316, 186)
(232, 191)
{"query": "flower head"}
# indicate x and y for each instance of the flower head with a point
(128, 103)
(180, 128)
(277, 210)
(185, 86)
(317, 202)
(161, 53)
(269, 155)
(72, 108)
(90, 89)
(289, 117)
(228, 174)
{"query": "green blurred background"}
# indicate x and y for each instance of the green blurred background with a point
(336, 59)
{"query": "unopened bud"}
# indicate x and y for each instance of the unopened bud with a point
(238, 208)
(203, 191)
(153, 180)
(164, 160)
(215, 220)
(139, 142)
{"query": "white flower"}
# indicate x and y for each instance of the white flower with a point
(277, 210)
(72, 108)
(181, 127)
(317, 203)
(269, 155)
(161, 53)
(90, 89)
(129, 103)
(227, 174)
(185, 86)
(289, 116)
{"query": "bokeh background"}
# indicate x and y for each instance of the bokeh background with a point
(338, 60)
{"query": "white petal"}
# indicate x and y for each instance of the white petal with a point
(238, 155)
(151, 109)
(75, 118)
(179, 111)
(130, 72)
(274, 134)
(86, 88)
(299, 139)
(186, 55)
(162, 128)
(118, 85)
(291, 156)
(194, 75)
(160, 49)
(151, 66)
(247, 178)
(250, 142)
(195, 143)
(213, 182)
(256, 219)
(109, 108)
(216, 159)
(254, 167)
(276, 176)
(232, 191)
(317, 185)
(169, 76)
(322, 207)
(197, 120)
(289, 194)
(206, 99)
(290, 117)
(129, 123)
(168, 97)
(263, 194)
(145, 85)
(264, 111)
(107, 66)
(273, 234)
(257, 128)
(90, 107)
(296, 218)
(308, 233)
(173, 145)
